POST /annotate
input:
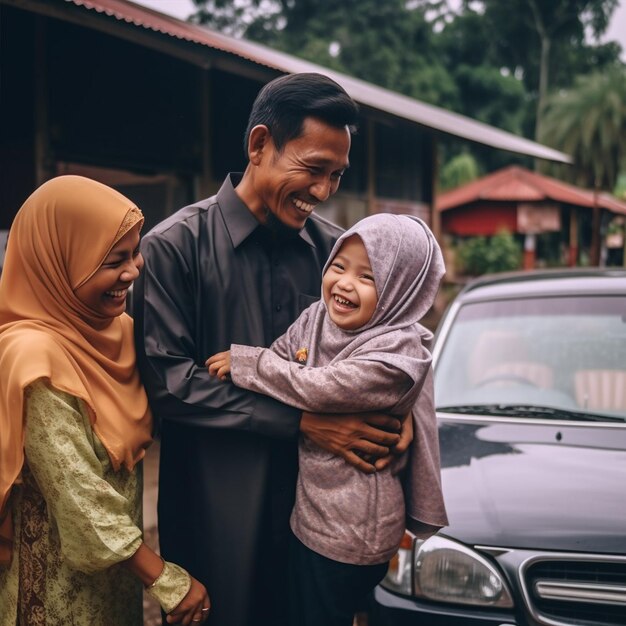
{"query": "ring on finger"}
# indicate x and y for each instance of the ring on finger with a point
(205, 609)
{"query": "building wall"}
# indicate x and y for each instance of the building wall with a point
(480, 219)
(17, 111)
(159, 128)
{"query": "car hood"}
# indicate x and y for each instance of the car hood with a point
(535, 485)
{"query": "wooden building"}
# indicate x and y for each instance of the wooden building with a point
(157, 108)
(548, 214)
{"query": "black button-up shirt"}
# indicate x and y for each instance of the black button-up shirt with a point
(214, 276)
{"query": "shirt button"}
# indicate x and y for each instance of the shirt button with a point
(278, 307)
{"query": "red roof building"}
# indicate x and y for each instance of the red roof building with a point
(527, 203)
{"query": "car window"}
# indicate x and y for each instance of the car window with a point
(563, 352)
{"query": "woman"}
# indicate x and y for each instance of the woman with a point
(74, 420)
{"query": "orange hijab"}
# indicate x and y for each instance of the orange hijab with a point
(58, 240)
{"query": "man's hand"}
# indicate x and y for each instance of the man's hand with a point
(219, 365)
(406, 437)
(363, 439)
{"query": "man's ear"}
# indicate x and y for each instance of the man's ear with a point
(258, 142)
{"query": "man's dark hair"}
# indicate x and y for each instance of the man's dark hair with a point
(283, 104)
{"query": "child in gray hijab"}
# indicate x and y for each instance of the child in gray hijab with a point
(360, 348)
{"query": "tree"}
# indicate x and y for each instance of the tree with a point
(485, 91)
(458, 171)
(492, 51)
(481, 255)
(385, 43)
(491, 60)
(535, 39)
(234, 17)
(589, 123)
(488, 60)
(620, 188)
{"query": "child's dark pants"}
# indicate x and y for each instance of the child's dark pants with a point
(323, 591)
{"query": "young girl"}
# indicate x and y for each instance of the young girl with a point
(361, 348)
(74, 420)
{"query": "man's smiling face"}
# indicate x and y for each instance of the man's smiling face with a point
(291, 182)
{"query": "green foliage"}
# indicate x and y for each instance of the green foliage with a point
(381, 42)
(483, 60)
(542, 43)
(490, 96)
(516, 28)
(620, 187)
(589, 123)
(484, 255)
(385, 43)
(460, 170)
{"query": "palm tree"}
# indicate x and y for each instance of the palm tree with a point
(588, 122)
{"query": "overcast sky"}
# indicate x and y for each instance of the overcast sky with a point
(183, 8)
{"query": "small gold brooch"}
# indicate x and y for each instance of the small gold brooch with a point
(302, 354)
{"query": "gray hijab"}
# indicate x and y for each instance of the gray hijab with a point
(408, 266)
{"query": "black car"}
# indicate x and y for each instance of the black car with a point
(530, 380)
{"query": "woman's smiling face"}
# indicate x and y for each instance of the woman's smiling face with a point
(348, 286)
(104, 293)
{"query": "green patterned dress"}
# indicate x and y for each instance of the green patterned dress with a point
(75, 520)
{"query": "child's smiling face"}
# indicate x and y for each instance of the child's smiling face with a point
(348, 286)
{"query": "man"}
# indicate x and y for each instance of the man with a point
(239, 268)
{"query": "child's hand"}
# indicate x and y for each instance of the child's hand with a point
(219, 365)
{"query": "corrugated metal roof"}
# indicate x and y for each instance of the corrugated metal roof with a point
(517, 184)
(365, 93)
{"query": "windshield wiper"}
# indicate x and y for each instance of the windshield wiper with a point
(529, 410)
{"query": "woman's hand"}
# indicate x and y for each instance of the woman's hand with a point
(219, 365)
(193, 608)
(165, 582)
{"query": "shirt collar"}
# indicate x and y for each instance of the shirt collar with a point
(239, 220)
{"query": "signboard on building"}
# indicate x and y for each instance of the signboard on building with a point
(533, 219)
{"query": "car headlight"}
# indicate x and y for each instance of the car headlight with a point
(399, 577)
(442, 570)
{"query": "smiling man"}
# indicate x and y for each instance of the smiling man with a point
(239, 268)
(286, 182)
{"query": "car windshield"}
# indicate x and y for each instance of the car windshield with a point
(550, 357)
